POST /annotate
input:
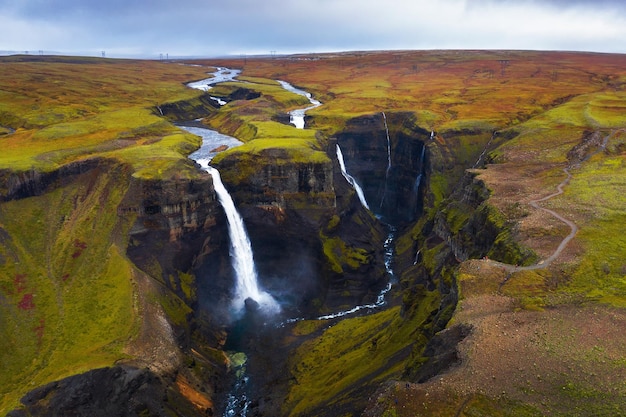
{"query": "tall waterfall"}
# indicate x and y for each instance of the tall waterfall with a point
(350, 179)
(246, 285)
(382, 201)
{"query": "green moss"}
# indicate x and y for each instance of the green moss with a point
(351, 350)
(67, 283)
(457, 215)
(438, 187)
(341, 256)
(134, 136)
(607, 109)
(187, 284)
(176, 309)
(333, 223)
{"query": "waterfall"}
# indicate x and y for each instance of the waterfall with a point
(246, 285)
(388, 160)
(350, 179)
(418, 180)
(246, 282)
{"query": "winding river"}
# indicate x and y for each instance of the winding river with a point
(296, 117)
(214, 142)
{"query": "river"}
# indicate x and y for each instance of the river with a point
(246, 286)
(296, 117)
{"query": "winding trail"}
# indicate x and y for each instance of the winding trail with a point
(573, 227)
(573, 230)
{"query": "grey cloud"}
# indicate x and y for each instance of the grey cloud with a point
(209, 27)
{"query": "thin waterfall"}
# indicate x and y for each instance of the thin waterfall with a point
(418, 180)
(246, 285)
(388, 160)
(350, 178)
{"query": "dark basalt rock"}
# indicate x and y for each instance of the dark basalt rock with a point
(391, 193)
(18, 185)
(441, 352)
(244, 94)
(115, 391)
(198, 107)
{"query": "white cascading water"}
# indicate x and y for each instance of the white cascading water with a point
(296, 117)
(350, 179)
(382, 201)
(246, 285)
(418, 180)
(220, 76)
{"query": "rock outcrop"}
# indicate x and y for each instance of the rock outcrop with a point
(115, 391)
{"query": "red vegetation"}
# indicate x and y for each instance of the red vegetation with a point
(80, 247)
(27, 302)
(65, 277)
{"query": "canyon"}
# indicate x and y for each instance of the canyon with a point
(393, 223)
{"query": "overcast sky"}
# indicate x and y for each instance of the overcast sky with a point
(148, 28)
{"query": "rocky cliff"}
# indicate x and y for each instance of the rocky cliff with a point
(310, 236)
(389, 171)
(116, 261)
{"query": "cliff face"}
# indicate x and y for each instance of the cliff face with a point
(473, 229)
(18, 185)
(390, 172)
(75, 237)
(120, 390)
(320, 248)
(174, 219)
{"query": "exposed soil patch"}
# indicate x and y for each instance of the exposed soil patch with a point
(516, 186)
(556, 361)
(155, 346)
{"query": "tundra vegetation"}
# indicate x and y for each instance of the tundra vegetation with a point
(543, 341)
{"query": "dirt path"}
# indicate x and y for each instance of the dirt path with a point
(573, 230)
(573, 227)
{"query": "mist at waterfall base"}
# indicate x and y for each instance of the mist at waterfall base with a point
(285, 283)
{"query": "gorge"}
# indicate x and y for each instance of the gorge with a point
(392, 234)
